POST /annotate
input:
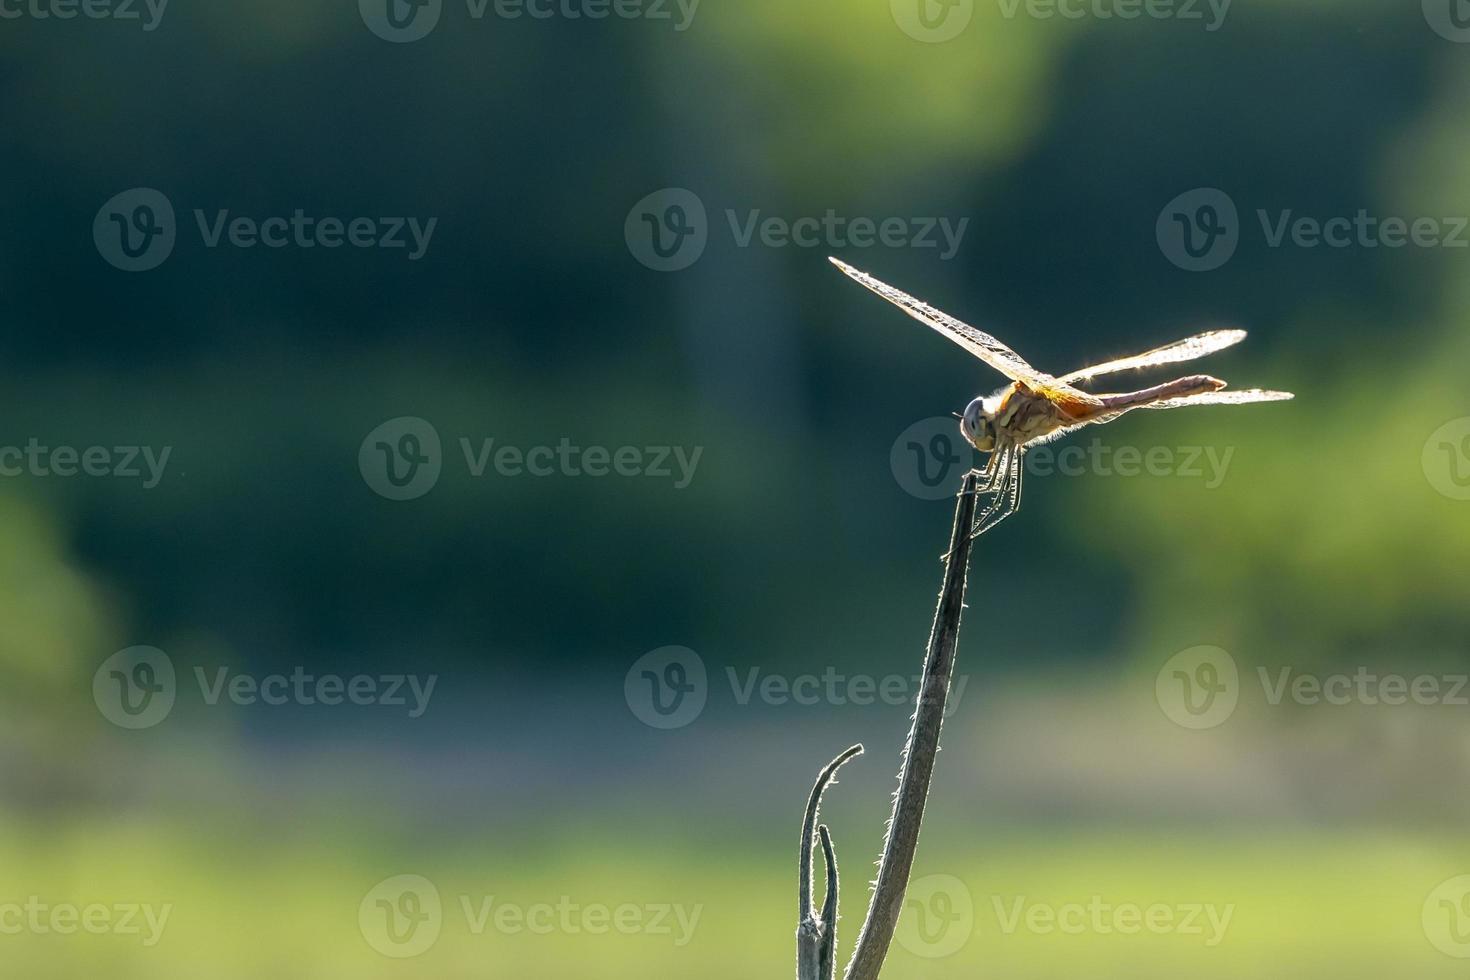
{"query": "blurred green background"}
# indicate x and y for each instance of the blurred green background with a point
(1336, 542)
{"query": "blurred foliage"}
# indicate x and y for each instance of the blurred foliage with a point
(528, 321)
(838, 109)
(54, 618)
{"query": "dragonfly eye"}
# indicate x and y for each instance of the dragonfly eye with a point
(976, 428)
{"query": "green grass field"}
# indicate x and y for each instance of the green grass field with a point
(1340, 905)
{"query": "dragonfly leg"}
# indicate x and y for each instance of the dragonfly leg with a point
(994, 482)
(1013, 502)
(988, 481)
(1007, 502)
(1005, 507)
(999, 489)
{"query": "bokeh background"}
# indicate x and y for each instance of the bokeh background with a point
(1335, 543)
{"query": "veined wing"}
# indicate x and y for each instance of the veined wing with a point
(1181, 350)
(977, 342)
(1241, 396)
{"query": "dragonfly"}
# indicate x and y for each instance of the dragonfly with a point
(1037, 407)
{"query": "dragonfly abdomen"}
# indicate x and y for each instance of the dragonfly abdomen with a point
(1195, 384)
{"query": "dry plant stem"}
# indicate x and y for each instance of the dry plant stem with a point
(816, 938)
(919, 752)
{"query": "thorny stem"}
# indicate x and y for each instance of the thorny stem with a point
(816, 940)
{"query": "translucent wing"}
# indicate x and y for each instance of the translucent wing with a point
(1241, 397)
(1181, 350)
(977, 342)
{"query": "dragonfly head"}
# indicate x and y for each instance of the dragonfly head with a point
(977, 426)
